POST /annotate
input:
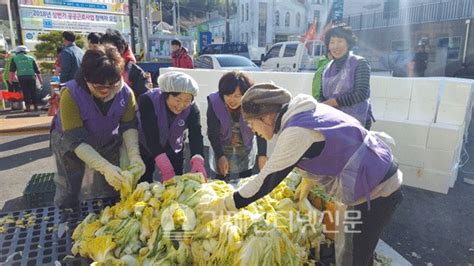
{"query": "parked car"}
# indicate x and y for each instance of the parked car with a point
(293, 56)
(235, 48)
(225, 61)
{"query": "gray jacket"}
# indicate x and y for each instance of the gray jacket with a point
(71, 59)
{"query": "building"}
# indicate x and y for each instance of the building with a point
(261, 23)
(444, 27)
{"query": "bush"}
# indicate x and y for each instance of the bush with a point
(45, 51)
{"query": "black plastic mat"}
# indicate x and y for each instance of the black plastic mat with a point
(38, 243)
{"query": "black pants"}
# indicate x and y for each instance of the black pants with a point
(373, 221)
(28, 87)
(243, 174)
(176, 159)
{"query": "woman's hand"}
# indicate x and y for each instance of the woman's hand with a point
(331, 102)
(223, 165)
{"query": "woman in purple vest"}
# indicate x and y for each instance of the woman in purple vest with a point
(331, 148)
(96, 115)
(346, 79)
(165, 114)
(233, 144)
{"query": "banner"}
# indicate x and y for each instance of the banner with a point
(111, 6)
(40, 19)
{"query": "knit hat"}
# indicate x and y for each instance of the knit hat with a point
(175, 81)
(262, 99)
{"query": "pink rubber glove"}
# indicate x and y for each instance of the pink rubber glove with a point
(166, 168)
(197, 165)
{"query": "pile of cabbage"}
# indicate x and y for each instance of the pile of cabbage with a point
(157, 224)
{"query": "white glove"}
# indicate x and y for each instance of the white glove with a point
(94, 160)
(130, 139)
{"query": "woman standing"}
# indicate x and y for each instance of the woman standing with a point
(96, 113)
(352, 164)
(165, 114)
(233, 144)
(346, 79)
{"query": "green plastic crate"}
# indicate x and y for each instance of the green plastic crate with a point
(40, 190)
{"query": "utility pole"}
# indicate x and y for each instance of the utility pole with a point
(132, 25)
(179, 20)
(227, 22)
(174, 16)
(10, 21)
(144, 29)
(150, 18)
(161, 17)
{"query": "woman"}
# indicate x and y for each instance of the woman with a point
(133, 75)
(332, 149)
(346, 79)
(165, 114)
(96, 113)
(233, 145)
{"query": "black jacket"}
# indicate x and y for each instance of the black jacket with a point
(137, 79)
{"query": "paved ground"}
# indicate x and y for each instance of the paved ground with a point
(20, 157)
(427, 228)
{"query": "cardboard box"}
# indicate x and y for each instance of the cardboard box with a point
(425, 179)
(405, 132)
(378, 87)
(399, 88)
(378, 107)
(397, 109)
(451, 114)
(444, 137)
(439, 160)
(422, 111)
(457, 92)
(410, 155)
(425, 89)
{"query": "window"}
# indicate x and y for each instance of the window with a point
(247, 11)
(234, 61)
(242, 39)
(290, 50)
(204, 62)
(318, 2)
(247, 37)
(316, 16)
(277, 18)
(274, 52)
(453, 44)
(287, 19)
(298, 20)
(243, 14)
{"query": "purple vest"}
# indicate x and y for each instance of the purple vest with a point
(101, 128)
(225, 119)
(173, 134)
(341, 83)
(358, 159)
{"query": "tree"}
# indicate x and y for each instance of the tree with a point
(45, 51)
